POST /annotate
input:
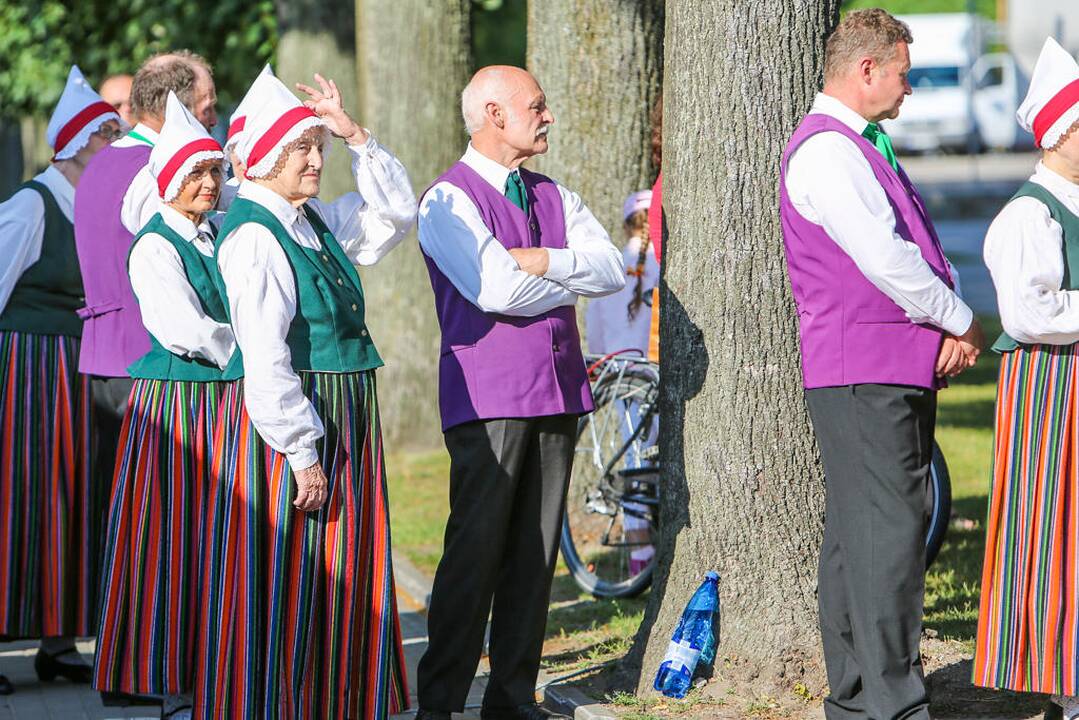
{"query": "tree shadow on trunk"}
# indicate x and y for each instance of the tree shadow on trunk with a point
(684, 366)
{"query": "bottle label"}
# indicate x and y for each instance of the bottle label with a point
(682, 654)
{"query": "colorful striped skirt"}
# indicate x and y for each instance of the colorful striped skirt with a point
(51, 515)
(1028, 624)
(154, 550)
(301, 616)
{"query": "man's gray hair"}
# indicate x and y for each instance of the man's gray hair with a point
(482, 88)
(176, 71)
(872, 32)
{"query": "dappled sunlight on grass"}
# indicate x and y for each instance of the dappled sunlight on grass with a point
(965, 435)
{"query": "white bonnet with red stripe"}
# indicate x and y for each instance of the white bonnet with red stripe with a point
(78, 115)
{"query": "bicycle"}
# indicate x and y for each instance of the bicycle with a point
(612, 504)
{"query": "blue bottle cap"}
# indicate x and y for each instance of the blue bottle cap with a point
(711, 575)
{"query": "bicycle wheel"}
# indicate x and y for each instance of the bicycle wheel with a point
(940, 495)
(612, 500)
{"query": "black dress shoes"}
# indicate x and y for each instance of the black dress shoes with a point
(6, 688)
(528, 711)
(1053, 711)
(422, 714)
(48, 667)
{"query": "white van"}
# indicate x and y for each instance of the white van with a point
(963, 98)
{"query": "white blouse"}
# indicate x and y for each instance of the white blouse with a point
(1024, 253)
(262, 290)
(454, 236)
(608, 326)
(171, 311)
(22, 227)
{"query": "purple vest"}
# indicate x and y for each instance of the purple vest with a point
(112, 335)
(851, 332)
(497, 366)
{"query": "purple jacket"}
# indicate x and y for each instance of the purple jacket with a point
(497, 366)
(112, 335)
(851, 332)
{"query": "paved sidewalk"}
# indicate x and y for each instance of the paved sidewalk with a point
(61, 700)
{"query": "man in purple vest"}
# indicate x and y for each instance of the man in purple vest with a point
(116, 197)
(509, 252)
(881, 327)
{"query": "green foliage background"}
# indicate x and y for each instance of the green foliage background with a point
(988, 8)
(41, 39)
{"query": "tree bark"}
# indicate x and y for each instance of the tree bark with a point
(414, 60)
(743, 487)
(600, 63)
(318, 36)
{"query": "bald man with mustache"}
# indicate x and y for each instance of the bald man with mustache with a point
(509, 252)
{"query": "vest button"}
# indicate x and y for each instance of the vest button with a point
(340, 281)
(532, 225)
(363, 332)
(325, 257)
(354, 308)
(555, 347)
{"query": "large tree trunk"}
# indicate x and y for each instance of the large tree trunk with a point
(414, 60)
(743, 487)
(318, 36)
(600, 64)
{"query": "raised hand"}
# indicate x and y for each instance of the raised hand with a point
(326, 103)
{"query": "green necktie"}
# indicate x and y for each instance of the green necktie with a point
(880, 139)
(515, 190)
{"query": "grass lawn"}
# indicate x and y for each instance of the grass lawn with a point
(583, 632)
(965, 435)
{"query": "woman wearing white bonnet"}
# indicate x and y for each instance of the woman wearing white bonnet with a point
(50, 510)
(1029, 612)
(156, 554)
(301, 584)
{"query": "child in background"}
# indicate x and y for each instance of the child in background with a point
(621, 323)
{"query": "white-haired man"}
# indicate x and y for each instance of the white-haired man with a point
(509, 252)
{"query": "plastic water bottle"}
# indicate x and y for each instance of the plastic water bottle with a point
(692, 637)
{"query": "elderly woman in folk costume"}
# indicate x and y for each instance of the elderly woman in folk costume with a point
(49, 509)
(157, 524)
(1027, 638)
(301, 619)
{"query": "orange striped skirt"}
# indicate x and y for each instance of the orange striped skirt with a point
(1028, 623)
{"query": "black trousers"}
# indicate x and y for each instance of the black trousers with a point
(109, 398)
(876, 442)
(508, 482)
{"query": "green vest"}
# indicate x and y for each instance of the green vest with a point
(202, 274)
(1069, 223)
(328, 333)
(47, 295)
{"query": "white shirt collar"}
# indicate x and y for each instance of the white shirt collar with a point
(1056, 184)
(281, 208)
(493, 172)
(182, 226)
(833, 107)
(144, 130)
(62, 190)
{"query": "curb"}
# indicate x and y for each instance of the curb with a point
(411, 580)
(415, 584)
(576, 704)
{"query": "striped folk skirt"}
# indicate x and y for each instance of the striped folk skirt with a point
(301, 616)
(50, 512)
(1028, 624)
(154, 550)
